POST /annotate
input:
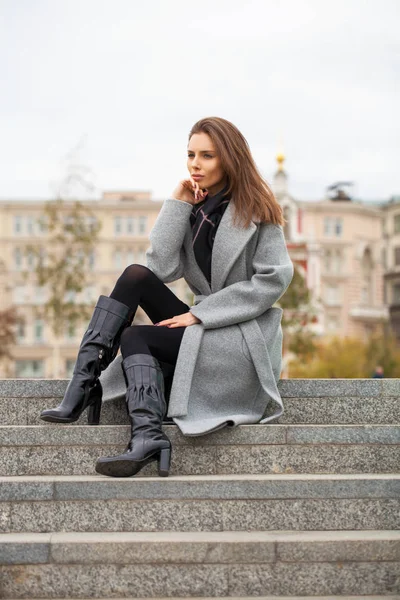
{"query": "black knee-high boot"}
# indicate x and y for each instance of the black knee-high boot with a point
(98, 349)
(147, 407)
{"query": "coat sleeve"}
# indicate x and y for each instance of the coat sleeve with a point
(245, 300)
(163, 257)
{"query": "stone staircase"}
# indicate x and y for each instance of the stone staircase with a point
(305, 507)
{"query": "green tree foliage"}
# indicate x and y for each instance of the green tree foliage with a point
(383, 349)
(345, 358)
(63, 266)
(8, 321)
(298, 315)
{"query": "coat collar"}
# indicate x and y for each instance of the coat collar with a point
(228, 244)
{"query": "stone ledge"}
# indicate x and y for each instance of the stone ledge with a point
(244, 435)
(221, 580)
(199, 547)
(289, 388)
(242, 598)
(199, 487)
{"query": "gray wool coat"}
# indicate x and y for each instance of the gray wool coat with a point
(228, 365)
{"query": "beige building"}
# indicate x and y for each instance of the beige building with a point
(126, 219)
(337, 245)
(391, 261)
(347, 251)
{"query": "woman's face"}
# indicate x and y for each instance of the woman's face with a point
(204, 160)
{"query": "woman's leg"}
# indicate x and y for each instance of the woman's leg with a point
(142, 347)
(139, 286)
(101, 341)
(161, 342)
(98, 348)
(136, 286)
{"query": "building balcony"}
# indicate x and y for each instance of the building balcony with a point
(392, 274)
(369, 313)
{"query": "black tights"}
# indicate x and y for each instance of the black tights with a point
(138, 286)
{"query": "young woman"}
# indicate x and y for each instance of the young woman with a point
(222, 231)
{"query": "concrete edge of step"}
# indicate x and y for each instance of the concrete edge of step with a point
(289, 388)
(38, 436)
(200, 548)
(380, 597)
(221, 537)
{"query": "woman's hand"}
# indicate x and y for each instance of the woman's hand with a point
(189, 191)
(180, 321)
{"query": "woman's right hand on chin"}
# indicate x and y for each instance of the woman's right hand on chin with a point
(189, 191)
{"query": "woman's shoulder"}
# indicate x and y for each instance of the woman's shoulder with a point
(267, 225)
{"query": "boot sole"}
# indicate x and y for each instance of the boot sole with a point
(126, 468)
(51, 419)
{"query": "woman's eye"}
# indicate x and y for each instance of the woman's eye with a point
(206, 155)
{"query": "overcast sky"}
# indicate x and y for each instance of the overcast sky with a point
(128, 79)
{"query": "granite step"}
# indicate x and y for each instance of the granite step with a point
(346, 597)
(73, 450)
(324, 401)
(221, 563)
(200, 503)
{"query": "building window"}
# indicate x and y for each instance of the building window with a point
(42, 224)
(29, 369)
(397, 223)
(333, 226)
(91, 223)
(130, 258)
(338, 227)
(20, 294)
(17, 224)
(130, 225)
(327, 226)
(39, 294)
(38, 329)
(396, 293)
(366, 277)
(30, 260)
(20, 331)
(328, 261)
(69, 367)
(337, 262)
(30, 225)
(118, 259)
(142, 224)
(91, 260)
(117, 225)
(397, 256)
(332, 295)
(18, 259)
(384, 258)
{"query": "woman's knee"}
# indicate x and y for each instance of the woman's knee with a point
(129, 333)
(136, 274)
(142, 332)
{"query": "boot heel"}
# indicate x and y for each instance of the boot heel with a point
(164, 461)
(94, 411)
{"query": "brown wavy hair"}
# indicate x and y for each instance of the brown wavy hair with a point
(251, 194)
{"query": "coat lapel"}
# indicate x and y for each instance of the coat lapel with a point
(229, 242)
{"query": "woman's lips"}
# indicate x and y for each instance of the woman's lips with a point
(197, 176)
